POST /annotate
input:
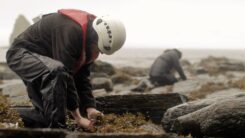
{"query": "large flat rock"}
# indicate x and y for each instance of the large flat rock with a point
(220, 114)
(151, 105)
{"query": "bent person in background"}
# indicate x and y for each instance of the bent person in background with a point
(162, 70)
(53, 58)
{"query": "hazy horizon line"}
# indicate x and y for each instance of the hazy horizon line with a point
(182, 48)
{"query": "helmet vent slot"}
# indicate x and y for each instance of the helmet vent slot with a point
(99, 21)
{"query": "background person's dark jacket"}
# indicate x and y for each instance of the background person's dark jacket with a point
(166, 63)
(60, 38)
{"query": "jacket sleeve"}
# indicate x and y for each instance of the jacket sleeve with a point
(84, 87)
(72, 96)
(178, 68)
(66, 47)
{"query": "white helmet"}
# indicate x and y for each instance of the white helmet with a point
(111, 33)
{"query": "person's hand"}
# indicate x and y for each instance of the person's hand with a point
(94, 115)
(85, 124)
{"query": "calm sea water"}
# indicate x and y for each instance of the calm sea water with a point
(145, 57)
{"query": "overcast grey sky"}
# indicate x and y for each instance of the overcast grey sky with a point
(150, 23)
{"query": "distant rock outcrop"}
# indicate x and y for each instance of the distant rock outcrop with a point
(20, 25)
(218, 65)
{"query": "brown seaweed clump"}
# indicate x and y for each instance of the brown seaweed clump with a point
(211, 63)
(9, 118)
(124, 78)
(206, 89)
(238, 84)
(128, 122)
(114, 123)
(134, 71)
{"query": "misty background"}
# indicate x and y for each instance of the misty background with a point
(199, 24)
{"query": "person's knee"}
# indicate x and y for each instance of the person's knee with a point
(58, 69)
(57, 79)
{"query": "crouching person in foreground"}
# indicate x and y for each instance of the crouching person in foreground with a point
(53, 57)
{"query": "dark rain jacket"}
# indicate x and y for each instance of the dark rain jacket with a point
(60, 38)
(166, 63)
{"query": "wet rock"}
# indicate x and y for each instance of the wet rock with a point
(13, 88)
(6, 73)
(210, 116)
(186, 108)
(196, 83)
(225, 94)
(16, 92)
(99, 92)
(173, 113)
(122, 87)
(122, 92)
(151, 105)
(206, 89)
(223, 119)
(102, 67)
(123, 78)
(235, 75)
(102, 83)
(98, 75)
(162, 90)
(144, 85)
(200, 70)
(199, 88)
(185, 87)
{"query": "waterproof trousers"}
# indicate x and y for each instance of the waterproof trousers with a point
(167, 79)
(47, 83)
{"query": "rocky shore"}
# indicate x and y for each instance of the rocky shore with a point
(213, 103)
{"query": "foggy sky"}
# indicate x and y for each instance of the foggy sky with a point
(150, 23)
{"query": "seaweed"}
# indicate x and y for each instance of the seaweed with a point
(127, 122)
(237, 83)
(122, 77)
(114, 123)
(8, 117)
(206, 89)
